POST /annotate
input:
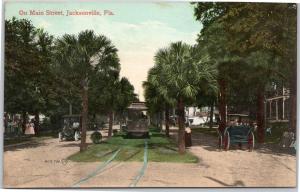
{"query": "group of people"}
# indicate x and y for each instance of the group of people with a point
(236, 122)
(14, 125)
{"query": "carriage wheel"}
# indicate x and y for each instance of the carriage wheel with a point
(220, 142)
(251, 141)
(226, 141)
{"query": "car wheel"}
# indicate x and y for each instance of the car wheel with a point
(60, 137)
(76, 135)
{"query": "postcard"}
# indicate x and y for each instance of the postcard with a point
(149, 94)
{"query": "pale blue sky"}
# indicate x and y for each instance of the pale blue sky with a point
(138, 30)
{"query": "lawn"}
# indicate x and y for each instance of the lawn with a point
(160, 149)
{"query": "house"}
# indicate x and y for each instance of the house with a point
(277, 106)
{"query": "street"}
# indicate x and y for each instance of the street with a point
(44, 164)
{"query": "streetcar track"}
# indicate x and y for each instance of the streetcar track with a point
(98, 170)
(119, 164)
(105, 166)
(142, 170)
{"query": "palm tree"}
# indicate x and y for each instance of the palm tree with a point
(156, 93)
(110, 94)
(156, 103)
(79, 57)
(180, 74)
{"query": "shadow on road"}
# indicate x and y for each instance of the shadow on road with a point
(73, 144)
(27, 145)
(237, 183)
(210, 143)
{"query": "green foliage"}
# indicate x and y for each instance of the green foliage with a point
(250, 28)
(252, 45)
(96, 137)
(160, 149)
(179, 72)
(28, 86)
(277, 131)
(45, 75)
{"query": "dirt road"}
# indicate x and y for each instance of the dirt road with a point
(44, 164)
(266, 166)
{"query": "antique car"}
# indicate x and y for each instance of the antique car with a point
(71, 129)
(137, 122)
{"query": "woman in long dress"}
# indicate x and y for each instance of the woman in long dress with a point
(29, 129)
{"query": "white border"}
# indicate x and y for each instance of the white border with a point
(144, 189)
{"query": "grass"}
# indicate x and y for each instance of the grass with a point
(160, 149)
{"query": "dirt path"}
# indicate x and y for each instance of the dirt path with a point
(41, 163)
(264, 167)
(261, 168)
(44, 164)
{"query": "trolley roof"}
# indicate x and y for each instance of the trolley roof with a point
(141, 106)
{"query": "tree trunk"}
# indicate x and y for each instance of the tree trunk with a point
(24, 121)
(260, 115)
(167, 120)
(110, 123)
(211, 115)
(222, 105)
(161, 121)
(70, 109)
(83, 145)
(293, 100)
(157, 120)
(181, 130)
(36, 123)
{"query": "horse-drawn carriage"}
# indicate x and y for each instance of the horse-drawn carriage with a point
(237, 134)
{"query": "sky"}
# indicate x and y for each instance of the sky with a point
(138, 30)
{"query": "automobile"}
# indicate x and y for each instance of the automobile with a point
(71, 128)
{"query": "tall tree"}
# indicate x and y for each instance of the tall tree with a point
(273, 28)
(27, 81)
(213, 40)
(183, 72)
(82, 55)
(109, 94)
(157, 97)
(256, 29)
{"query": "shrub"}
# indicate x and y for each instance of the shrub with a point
(96, 137)
(115, 132)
